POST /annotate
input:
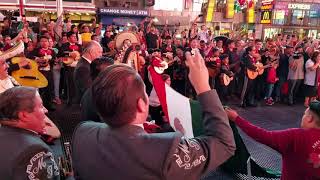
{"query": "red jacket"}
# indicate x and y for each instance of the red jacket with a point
(272, 75)
(300, 149)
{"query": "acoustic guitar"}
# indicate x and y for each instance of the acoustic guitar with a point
(165, 64)
(225, 79)
(212, 66)
(260, 70)
(29, 75)
(43, 61)
(73, 56)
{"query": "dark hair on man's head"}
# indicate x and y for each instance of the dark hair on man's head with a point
(257, 40)
(249, 49)
(44, 37)
(84, 26)
(43, 32)
(15, 100)
(73, 26)
(93, 36)
(70, 33)
(298, 47)
(215, 50)
(223, 57)
(229, 41)
(116, 92)
(180, 47)
(98, 65)
(315, 108)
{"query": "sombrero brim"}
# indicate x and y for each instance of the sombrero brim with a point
(126, 35)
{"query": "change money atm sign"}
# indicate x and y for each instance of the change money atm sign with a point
(266, 17)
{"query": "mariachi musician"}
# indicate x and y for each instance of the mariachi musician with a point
(249, 60)
(213, 64)
(45, 57)
(225, 77)
(130, 52)
(69, 53)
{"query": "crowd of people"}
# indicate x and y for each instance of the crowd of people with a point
(111, 82)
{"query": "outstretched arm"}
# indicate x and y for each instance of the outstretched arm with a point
(194, 157)
(280, 140)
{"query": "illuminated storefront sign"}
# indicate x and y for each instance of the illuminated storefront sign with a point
(266, 7)
(267, 1)
(250, 15)
(230, 9)
(266, 4)
(209, 16)
(299, 6)
(280, 14)
(123, 12)
(266, 17)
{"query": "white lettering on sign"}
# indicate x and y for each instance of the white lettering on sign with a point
(299, 6)
(266, 2)
(125, 12)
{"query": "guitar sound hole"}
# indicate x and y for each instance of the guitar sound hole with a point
(29, 77)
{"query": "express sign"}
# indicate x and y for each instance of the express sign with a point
(299, 6)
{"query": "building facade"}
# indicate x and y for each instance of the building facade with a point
(76, 10)
(292, 17)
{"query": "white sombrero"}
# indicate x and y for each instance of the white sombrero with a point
(126, 35)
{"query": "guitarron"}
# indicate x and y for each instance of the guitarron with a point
(29, 75)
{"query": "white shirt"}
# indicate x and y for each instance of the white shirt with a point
(5, 84)
(310, 76)
(203, 35)
(154, 99)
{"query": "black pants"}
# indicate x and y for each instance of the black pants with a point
(260, 90)
(248, 94)
(156, 114)
(47, 92)
(70, 86)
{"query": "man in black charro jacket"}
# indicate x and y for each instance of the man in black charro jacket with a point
(23, 154)
(121, 149)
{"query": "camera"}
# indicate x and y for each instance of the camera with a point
(297, 55)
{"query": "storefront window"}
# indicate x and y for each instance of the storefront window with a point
(197, 4)
(298, 17)
(221, 5)
(168, 5)
(313, 34)
(279, 17)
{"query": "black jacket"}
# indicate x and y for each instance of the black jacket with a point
(25, 156)
(101, 152)
(82, 78)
